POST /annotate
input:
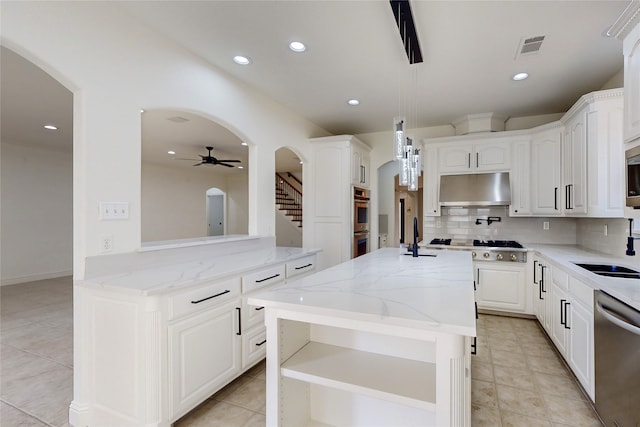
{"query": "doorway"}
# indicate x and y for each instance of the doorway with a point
(216, 212)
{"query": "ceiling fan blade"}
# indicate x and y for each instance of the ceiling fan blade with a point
(224, 164)
(230, 161)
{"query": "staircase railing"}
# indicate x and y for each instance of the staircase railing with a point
(289, 198)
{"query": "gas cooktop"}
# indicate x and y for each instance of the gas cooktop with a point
(481, 243)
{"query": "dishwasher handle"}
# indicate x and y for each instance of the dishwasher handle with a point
(606, 313)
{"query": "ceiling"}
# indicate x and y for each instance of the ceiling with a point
(354, 51)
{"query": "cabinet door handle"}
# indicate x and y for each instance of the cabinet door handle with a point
(478, 275)
(239, 322)
(259, 308)
(555, 198)
(566, 318)
(208, 298)
(258, 344)
(535, 267)
(303, 266)
(571, 205)
(468, 160)
(474, 346)
(477, 160)
(562, 319)
(476, 309)
(267, 278)
(542, 267)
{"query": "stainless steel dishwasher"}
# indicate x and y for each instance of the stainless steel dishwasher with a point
(617, 361)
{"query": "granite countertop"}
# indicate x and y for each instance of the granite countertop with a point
(170, 276)
(626, 290)
(387, 286)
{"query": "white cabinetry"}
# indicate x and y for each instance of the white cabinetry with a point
(520, 178)
(546, 179)
(328, 212)
(204, 348)
(432, 181)
(486, 156)
(360, 167)
(559, 301)
(501, 286)
(574, 165)
(581, 348)
(333, 371)
(627, 28)
(564, 307)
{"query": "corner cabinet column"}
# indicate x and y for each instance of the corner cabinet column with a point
(338, 163)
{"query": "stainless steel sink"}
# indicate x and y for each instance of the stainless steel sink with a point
(610, 270)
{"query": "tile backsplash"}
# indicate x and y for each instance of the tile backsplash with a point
(460, 223)
(588, 233)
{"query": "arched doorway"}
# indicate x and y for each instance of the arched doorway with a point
(216, 212)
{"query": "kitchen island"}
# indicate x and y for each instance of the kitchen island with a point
(380, 340)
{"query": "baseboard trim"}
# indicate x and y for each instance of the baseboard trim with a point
(34, 277)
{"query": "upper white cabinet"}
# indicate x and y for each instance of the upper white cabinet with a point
(520, 177)
(483, 156)
(361, 165)
(574, 165)
(627, 28)
(432, 181)
(546, 178)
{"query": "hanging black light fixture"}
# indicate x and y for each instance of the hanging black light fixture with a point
(404, 19)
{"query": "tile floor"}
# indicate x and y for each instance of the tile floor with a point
(517, 378)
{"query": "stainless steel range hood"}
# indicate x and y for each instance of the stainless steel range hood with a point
(482, 189)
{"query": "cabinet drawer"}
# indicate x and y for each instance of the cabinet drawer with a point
(581, 292)
(203, 297)
(301, 266)
(254, 346)
(252, 315)
(560, 278)
(262, 278)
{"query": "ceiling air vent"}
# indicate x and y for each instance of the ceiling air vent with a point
(178, 119)
(530, 45)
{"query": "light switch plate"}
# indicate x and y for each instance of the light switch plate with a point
(114, 211)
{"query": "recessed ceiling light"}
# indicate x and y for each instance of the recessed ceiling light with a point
(171, 152)
(353, 102)
(50, 127)
(141, 110)
(241, 60)
(300, 161)
(240, 167)
(297, 46)
(244, 143)
(520, 76)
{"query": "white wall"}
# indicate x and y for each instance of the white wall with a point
(173, 202)
(36, 212)
(115, 66)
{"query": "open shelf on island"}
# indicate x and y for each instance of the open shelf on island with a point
(404, 381)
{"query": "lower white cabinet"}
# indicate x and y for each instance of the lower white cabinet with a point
(564, 307)
(204, 355)
(501, 286)
(581, 346)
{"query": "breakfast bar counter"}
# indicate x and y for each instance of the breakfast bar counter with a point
(383, 339)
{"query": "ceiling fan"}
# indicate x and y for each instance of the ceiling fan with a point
(210, 160)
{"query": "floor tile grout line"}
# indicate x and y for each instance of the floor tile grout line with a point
(38, 355)
(27, 413)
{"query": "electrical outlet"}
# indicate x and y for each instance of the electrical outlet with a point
(545, 225)
(106, 243)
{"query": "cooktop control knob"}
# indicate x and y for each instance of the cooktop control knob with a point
(486, 254)
(513, 257)
(473, 254)
(499, 257)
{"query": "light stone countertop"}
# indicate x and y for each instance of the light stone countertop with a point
(387, 286)
(626, 290)
(158, 279)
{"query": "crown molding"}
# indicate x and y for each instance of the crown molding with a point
(627, 20)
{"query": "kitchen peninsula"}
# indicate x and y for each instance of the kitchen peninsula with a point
(383, 339)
